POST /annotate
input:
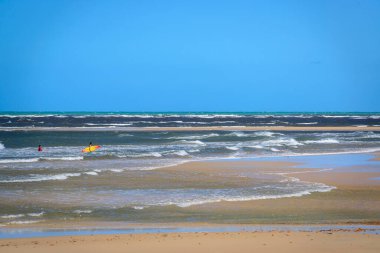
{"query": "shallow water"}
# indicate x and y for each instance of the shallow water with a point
(34, 232)
(121, 181)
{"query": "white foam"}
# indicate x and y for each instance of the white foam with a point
(323, 141)
(274, 149)
(36, 214)
(23, 160)
(109, 124)
(91, 173)
(2, 146)
(266, 133)
(24, 222)
(308, 123)
(323, 188)
(233, 148)
(290, 179)
(291, 154)
(370, 135)
(151, 154)
(192, 137)
(156, 154)
(238, 134)
(69, 158)
(181, 153)
(212, 116)
(255, 146)
(335, 116)
(116, 170)
(138, 207)
(27, 115)
(196, 142)
(12, 216)
(359, 117)
(281, 142)
(223, 122)
(82, 211)
(38, 178)
(125, 135)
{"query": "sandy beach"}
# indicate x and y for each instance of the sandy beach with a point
(326, 241)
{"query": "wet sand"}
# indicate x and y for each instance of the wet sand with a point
(355, 200)
(215, 128)
(276, 241)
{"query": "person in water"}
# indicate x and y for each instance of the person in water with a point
(89, 146)
(39, 148)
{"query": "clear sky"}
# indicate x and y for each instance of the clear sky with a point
(189, 55)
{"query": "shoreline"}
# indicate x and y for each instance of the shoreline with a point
(18, 233)
(211, 128)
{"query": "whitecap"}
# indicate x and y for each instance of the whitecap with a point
(108, 124)
(36, 214)
(266, 133)
(12, 216)
(68, 158)
(24, 222)
(125, 135)
(91, 173)
(151, 154)
(359, 117)
(38, 178)
(322, 188)
(323, 141)
(192, 137)
(281, 142)
(82, 211)
(237, 134)
(155, 154)
(334, 116)
(255, 146)
(181, 153)
(196, 142)
(116, 170)
(23, 160)
(307, 123)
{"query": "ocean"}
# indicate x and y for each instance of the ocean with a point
(162, 119)
(124, 179)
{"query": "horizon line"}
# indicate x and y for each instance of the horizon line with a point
(171, 112)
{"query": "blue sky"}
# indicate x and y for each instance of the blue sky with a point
(189, 55)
